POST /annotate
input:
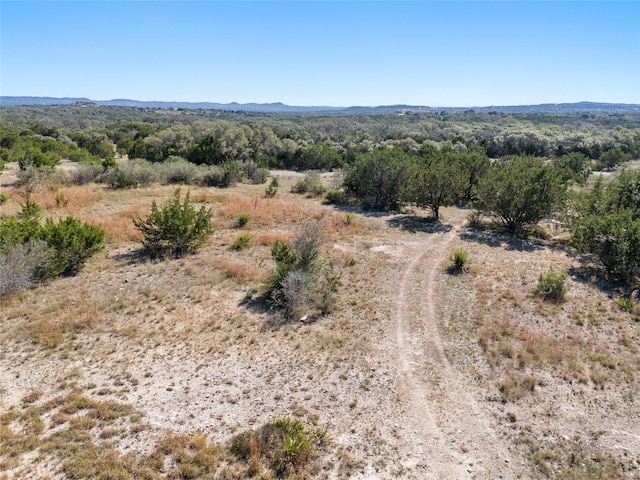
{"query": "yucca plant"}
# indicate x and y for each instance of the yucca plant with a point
(459, 260)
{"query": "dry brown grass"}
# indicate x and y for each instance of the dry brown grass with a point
(69, 200)
(237, 269)
(175, 341)
(265, 213)
(119, 227)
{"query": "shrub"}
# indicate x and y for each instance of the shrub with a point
(242, 220)
(177, 170)
(255, 174)
(73, 242)
(285, 445)
(214, 176)
(272, 188)
(551, 286)
(300, 281)
(328, 285)
(84, 174)
(176, 228)
(241, 242)
(311, 183)
(294, 294)
(23, 265)
(133, 174)
(335, 196)
(459, 260)
(615, 239)
(4, 197)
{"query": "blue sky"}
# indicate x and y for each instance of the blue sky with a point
(450, 53)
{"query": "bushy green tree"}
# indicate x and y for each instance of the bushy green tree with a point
(472, 165)
(573, 166)
(176, 228)
(612, 158)
(378, 178)
(73, 242)
(606, 223)
(520, 191)
(615, 239)
(436, 181)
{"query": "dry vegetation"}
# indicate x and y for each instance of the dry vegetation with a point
(176, 369)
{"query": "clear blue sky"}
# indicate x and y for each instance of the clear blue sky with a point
(453, 53)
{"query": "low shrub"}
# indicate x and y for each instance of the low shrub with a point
(242, 220)
(133, 174)
(551, 287)
(177, 170)
(23, 265)
(335, 196)
(459, 261)
(73, 242)
(176, 228)
(256, 175)
(84, 174)
(286, 446)
(214, 176)
(272, 188)
(311, 183)
(242, 241)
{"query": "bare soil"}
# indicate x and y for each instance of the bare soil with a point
(418, 373)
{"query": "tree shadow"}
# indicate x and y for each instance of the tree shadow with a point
(591, 273)
(497, 239)
(416, 224)
(136, 256)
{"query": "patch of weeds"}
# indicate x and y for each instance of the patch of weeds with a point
(349, 218)
(272, 188)
(285, 446)
(242, 241)
(459, 261)
(515, 387)
(551, 287)
(311, 184)
(242, 220)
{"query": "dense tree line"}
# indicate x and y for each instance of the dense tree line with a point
(306, 141)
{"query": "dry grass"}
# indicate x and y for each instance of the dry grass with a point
(69, 200)
(237, 269)
(119, 227)
(84, 361)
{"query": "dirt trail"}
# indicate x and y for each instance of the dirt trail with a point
(457, 437)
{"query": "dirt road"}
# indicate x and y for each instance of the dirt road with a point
(455, 434)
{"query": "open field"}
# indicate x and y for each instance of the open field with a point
(151, 368)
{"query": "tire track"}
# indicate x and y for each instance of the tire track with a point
(459, 439)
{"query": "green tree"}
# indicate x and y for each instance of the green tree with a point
(615, 239)
(378, 178)
(573, 166)
(320, 156)
(436, 182)
(472, 165)
(520, 191)
(606, 223)
(176, 228)
(73, 242)
(612, 158)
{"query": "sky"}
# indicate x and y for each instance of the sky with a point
(330, 53)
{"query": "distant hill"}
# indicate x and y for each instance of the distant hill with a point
(7, 101)
(559, 108)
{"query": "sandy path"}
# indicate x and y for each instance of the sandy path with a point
(458, 438)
